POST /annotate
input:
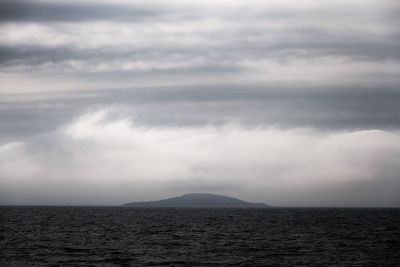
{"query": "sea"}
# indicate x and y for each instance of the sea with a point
(123, 236)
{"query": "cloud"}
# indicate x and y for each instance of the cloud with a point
(324, 108)
(104, 157)
(70, 11)
(181, 42)
(323, 73)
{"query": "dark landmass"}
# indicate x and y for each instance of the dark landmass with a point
(198, 200)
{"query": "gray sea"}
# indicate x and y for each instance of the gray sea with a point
(120, 236)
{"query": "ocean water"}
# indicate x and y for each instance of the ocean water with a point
(117, 236)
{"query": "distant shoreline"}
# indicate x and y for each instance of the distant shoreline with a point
(127, 207)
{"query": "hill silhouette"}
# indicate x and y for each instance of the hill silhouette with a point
(198, 200)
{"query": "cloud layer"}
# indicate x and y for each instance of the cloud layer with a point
(178, 42)
(104, 157)
(287, 102)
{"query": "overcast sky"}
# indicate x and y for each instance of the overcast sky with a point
(291, 103)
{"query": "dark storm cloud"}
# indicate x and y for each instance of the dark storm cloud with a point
(53, 11)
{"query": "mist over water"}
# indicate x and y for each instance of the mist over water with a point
(105, 157)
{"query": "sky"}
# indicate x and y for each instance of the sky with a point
(291, 103)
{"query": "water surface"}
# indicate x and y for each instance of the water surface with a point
(117, 236)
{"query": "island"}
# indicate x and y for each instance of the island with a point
(198, 200)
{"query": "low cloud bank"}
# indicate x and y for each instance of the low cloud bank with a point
(103, 157)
